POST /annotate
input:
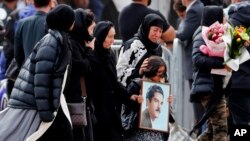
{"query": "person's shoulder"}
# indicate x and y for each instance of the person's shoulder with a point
(157, 12)
(197, 5)
(136, 82)
(15, 14)
(144, 112)
(127, 44)
(127, 9)
(197, 33)
(26, 20)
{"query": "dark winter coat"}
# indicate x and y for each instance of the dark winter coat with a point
(108, 93)
(203, 80)
(38, 84)
(239, 15)
(80, 66)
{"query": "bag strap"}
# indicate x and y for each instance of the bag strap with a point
(83, 87)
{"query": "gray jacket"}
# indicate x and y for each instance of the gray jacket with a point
(146, 121)
(185, 32)
(29, 31)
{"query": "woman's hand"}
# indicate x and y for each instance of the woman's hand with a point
(228, 68)
(134, 97)
(137, 98)
(143, 66)
(91, 44)
(163, 80)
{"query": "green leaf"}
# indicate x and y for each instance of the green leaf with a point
(244, 36)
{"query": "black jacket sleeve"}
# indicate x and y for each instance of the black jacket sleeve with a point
(201, 60)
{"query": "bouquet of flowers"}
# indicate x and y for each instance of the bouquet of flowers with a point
(236, 39)
(212, 36)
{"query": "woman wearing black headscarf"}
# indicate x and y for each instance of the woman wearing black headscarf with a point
(207, 88)
(81, 34)
(108, 92)
(131, 62)
(36, 94)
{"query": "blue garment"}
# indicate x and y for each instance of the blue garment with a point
(27, 11)
(97, 6)
(2, 65)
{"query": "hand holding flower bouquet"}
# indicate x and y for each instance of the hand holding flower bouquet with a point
(212, 36)
(236, 39)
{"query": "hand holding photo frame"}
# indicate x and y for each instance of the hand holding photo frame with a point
(154, 113)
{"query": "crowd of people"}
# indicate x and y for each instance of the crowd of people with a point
(47, 40)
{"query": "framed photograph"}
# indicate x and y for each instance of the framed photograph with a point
(154, 113)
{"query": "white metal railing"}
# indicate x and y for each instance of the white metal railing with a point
(181, 90)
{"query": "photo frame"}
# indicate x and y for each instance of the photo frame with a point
(155, 103)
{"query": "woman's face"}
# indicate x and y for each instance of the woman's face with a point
(91, 28)
(159, 75)
(154, 34)
(109, 40)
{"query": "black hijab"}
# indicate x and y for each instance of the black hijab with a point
(60, 18)
(80, 30)
(100, 32)
(212, 14)
(104, 56)
(143, 31)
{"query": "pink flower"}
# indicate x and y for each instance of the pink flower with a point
(214, 44)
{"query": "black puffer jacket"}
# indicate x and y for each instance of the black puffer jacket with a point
(38, 85)
(203, 80)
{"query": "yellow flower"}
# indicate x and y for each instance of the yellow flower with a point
(238, 40)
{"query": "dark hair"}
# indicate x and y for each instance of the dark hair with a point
(61, 18)
(90, 17)
(178, 6)
(154, 63)
(100, 32)
(152, 90)
(83, 19)
(211, 14)
(41, 3)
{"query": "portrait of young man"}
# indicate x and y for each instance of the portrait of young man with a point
(154, 113)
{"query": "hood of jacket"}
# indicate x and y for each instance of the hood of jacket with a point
(239, 14)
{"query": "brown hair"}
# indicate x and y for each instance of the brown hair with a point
(178, 6)
(154, 63)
